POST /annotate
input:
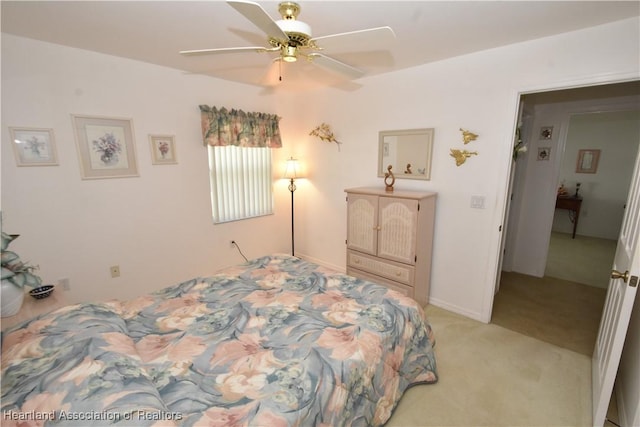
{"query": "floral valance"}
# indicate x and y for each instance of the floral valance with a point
(235, 127)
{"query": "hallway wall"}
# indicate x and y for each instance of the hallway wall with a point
(534, 191)
(616, 134)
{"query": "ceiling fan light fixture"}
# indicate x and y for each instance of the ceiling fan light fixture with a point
(289, 54)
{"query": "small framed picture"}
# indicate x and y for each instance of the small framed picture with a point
(546, 132)
(544, 153)
(587, 161)
(105, 147)
(163, 149)
(34, 146)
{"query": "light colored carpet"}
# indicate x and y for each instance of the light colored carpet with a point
(584, 259)
(535, 369)
(491, 376)
(559, 312)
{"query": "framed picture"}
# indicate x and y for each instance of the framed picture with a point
(105, 146)
(544, 153)
(163, 149)
(34, 146)
(587, 161)
(546, 132)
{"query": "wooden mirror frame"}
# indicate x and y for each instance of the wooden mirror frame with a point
(408, 151)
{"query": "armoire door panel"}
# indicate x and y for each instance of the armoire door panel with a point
(397, 235)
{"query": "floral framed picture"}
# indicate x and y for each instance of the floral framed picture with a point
(106, 147)
(546, 132)
(163, 149)
(34, 146)
(544, 153)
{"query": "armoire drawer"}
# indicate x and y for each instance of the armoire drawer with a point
(391, 270)
(399, 287)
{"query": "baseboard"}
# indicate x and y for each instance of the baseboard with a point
(322, 263)
(455, 309)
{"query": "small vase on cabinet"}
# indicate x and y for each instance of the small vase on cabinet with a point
(12, 297)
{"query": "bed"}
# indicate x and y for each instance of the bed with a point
(277, 341)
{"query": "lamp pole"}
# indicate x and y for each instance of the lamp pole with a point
(292, 188)
(291, 173)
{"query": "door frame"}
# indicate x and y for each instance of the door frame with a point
(502, 212)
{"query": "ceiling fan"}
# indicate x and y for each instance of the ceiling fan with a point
(292, 39)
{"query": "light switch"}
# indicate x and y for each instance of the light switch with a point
(477, 202)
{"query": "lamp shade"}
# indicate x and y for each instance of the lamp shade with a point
(292, 171)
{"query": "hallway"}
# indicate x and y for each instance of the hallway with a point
(563, 307)
(585, 260)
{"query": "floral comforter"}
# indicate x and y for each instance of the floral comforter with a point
(275, 342)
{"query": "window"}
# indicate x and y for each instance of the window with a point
(241, 182)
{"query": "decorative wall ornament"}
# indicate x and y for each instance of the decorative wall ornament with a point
(467, 136)
(325, 133)
(461, 155)
(391, 179)
(520, 146)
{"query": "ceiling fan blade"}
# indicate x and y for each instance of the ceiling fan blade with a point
(335, 65)
(361, 40)
(224, 50)
(260, 18)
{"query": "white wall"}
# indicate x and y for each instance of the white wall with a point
(604, 193)
(166, 211)
(157, 227)
(478, 92)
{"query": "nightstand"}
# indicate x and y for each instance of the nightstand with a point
(32, 307)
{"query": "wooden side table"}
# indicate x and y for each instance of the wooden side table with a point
(32, 307)
(572, 204)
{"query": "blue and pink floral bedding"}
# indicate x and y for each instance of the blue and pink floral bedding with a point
(275, 342)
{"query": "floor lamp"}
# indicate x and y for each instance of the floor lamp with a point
(292, 172)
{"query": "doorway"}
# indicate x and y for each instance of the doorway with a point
(546, 121)
(545, 127)
(586, 256)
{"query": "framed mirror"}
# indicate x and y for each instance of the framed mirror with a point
(408, 151)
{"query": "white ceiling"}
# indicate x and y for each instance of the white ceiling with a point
(426, 31)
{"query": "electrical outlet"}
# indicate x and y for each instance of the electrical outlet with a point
(115, 271)
(64, 284)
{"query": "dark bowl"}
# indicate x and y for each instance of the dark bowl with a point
(41, 291)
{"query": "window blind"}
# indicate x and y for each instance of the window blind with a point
(241, 182)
